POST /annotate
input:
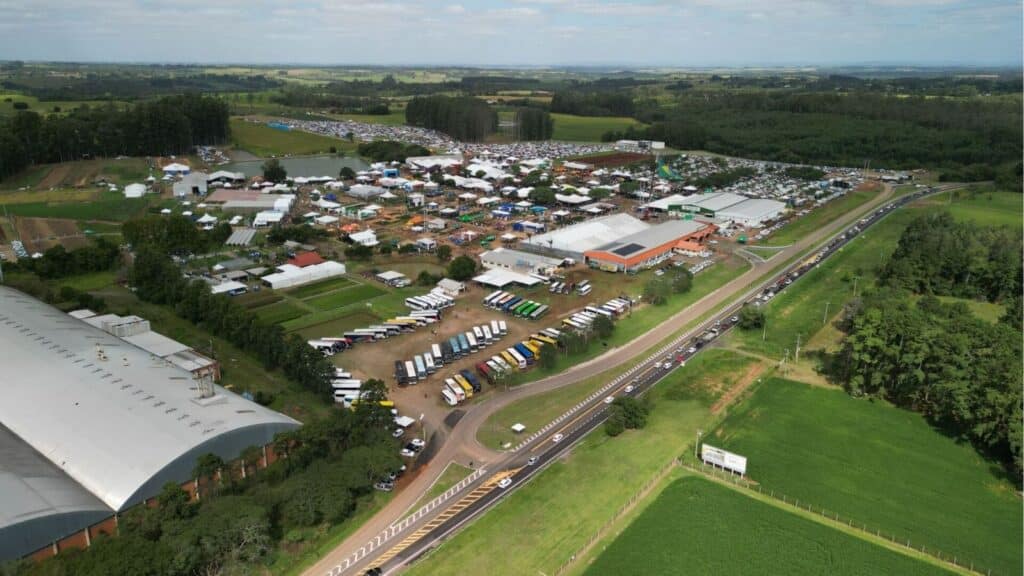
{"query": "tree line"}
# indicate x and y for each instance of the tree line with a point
(966, 138)
(533, 124)
(242, 524)
(939, 255)
(174, 234)
(157, 279)
(127, 85)
(315, 97)
(390, 150)
(593, 103)
(960, 372)
(58, 262)
(461, 117)
(169, 125)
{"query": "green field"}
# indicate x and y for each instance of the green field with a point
(819, 217)
(987, 311)
(264, 141)
(318, 288)
(588, 128)
(986, 207)
(345, 297)
(559, 510)
(699, 527)
(110, 206)
(880, 466)
(278, 312)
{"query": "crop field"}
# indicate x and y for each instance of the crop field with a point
(318, 288)
(79, 175)
(278, 312)
(345, 297)
(588, 128)
(699, 527)
(880, 466)
(264, 141)
(821, 216)
(41, 234)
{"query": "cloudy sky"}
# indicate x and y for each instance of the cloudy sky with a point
(516, 32)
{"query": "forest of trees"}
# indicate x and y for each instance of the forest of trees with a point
(58, 262)
(173, 234)
(390, 150)
(603, 103)
(979, 140)
(314, 97)
(533, 124)
(939, 255)
(126, 85)
(961, 372)
(463, 118)
(169, 125)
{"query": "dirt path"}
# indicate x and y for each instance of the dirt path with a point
(731, 394)
(460, 443)
(55, 176)
(802, 372)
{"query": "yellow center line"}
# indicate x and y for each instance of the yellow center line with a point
(452, 510)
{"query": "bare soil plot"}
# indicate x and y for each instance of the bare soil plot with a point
(40, 234)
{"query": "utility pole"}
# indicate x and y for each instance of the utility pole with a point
(764, 329)
(696, 447)
(797, 360)
(855, 278)
(824, 318)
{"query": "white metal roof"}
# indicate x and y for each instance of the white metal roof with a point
(716, 201)
(122, 426)
(755, 208)
(590, 234)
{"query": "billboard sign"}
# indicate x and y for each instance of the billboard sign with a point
(722, 459)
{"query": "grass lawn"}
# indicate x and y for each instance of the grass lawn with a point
(278, 312)
(534, 529)
(318, 288)
(536, 411)
(985, 206)
(108, 206)
(800, 308)
(819, 217)
(878, 465)
(345, 297)
(451, 476)
(588, 128)
(987, 311)
(90, 282)
(395, 118)
(264, 141)
(699, 527)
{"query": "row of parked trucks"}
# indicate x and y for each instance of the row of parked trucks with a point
(329, 346)
(511, 304)
(458, 346)
(584, 318)
(462, 385)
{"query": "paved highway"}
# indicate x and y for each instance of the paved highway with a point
(391, 553)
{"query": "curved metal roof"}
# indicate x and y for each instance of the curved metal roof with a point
(117, 420)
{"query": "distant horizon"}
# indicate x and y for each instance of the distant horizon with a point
(612, 66)
(518, 33)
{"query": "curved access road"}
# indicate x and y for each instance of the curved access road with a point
(460, 443)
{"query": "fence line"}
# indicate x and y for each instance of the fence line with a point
(625, 509)
(833, 517)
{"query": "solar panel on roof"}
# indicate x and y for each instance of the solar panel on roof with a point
(627, 249)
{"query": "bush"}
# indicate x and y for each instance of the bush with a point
(462, 268)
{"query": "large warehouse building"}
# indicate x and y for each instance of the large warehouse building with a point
(572, 241)
(91, 425)
(650, 246)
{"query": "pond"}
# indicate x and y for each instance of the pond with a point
(306, 166)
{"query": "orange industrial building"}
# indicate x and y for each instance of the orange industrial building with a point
(651, 246)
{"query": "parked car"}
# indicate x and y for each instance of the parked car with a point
(398, 433)
(418, 442)
(406, 453)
